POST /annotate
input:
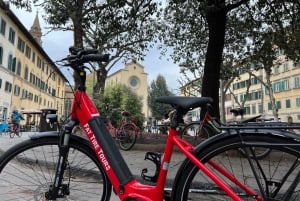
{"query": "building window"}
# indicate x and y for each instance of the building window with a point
(297, 82)
(298, 102)
(269, 106)
(33, 57)
(21, 45)
(53, 92)
(24, 93)
(288, 103)
(28, 52)
(260, 109)
(17, 90)
(276, 70)
(26, 73)
(30, 96)
(247, 110)
(19, 66)
(253, 109)
(8, 87)
(39, 62)
(2, 27)
(280, 86)
(0, 83)
(278, 104)
(11, 63)
(11, 36)
(36, 98)
(285, 67)
(1, 55)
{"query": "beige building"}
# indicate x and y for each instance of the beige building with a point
(134, 76)
(30, 80)
(285, 81)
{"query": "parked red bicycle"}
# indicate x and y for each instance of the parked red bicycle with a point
(62, 166)
(126, 132)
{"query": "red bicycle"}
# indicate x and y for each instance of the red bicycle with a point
(62, 166)
(14, 129)
(126, 132)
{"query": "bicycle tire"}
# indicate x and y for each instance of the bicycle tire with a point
(127, 136)
(27, 171)
(20, 134)
(260, 152)
(195, 133)
(273, 174)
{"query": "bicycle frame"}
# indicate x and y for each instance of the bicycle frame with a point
(116, 168)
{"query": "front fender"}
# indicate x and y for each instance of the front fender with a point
(77, 138)
(37, 135)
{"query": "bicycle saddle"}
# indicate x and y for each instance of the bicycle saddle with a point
(184, 102)
(237, 111)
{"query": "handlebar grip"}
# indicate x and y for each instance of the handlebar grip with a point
(95, 57)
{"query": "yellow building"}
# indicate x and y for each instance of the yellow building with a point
(285, 81)
(36, 81)
(133, 76)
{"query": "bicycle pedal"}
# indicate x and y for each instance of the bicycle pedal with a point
(156, 159)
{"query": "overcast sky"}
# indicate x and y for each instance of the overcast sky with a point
(56, 45)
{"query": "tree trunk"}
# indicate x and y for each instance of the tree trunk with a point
(216, 19)
(101, 75)
(222, 102)
(78, 32)
(271, 96)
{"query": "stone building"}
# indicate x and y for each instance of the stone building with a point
(29, 79)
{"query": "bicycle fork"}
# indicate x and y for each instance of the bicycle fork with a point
(57, 189)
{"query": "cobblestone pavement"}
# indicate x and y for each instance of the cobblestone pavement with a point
(136, 162)
(134, 157)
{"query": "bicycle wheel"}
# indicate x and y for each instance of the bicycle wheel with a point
(195, 133)
(127, 136)
(260, 152)
(276, 177)
(20, 134)
(12, 132)
(28, 169)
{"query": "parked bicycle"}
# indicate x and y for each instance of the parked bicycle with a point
(62, 166)
(196, 132)
(126, 132)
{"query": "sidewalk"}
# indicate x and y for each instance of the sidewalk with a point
(134, 158)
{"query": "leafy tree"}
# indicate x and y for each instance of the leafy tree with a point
(158, 87)
(118, 98)
(125, 29)
(203, 33)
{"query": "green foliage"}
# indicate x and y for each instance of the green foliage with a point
(193, 29)
(158, 88)
(118, 98)
(124, 29)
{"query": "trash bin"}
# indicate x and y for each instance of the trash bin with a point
(44, 126)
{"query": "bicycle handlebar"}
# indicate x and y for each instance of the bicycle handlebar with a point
(79, 56)
(95, 57)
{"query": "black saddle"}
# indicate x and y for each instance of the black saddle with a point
(237, 111)
(185, 102)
